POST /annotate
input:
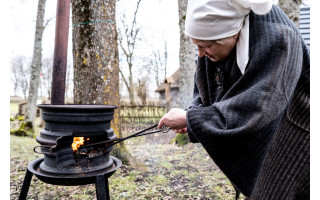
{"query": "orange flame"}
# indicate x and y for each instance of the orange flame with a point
(77, 142)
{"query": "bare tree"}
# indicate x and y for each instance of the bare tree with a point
(96, 58)
(142, 90)
(69, 80)
(187, 58)
(127, 41)
(292, 9)
(36, 65)
(16, 72)
(19, 77)
(24, 81)
(46, 75)
(158, 64)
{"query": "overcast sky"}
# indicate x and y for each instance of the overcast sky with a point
(158, 20)
(158, 15)
(23, 17)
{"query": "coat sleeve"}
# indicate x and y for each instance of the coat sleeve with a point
(258, 97)
(195, 103)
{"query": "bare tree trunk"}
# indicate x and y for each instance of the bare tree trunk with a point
(36, 65)
(142, 90)
(95, 52)
(17, 72)
(165, 60)
(127, 42)
(168, 96)
(292, 9)
(68, 79)
(187, 56)
(46, 70)
(159, 64)
(24, 86)
(96, 58)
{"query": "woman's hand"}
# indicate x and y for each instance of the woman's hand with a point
(174, 119)
(182, 130)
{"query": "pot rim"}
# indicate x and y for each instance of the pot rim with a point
(78, 106)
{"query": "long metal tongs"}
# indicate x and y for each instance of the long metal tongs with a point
(164, 129)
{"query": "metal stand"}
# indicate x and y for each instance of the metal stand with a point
(99, 178)
(26, 185)
(102, 187)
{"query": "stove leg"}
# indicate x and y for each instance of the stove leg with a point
(102, 188)
(26, 185)
(107, 188)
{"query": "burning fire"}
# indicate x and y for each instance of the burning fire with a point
(77, 142)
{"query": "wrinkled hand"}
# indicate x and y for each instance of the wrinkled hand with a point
(182, 130)
(175, 119)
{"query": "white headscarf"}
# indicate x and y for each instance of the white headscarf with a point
(217, 19)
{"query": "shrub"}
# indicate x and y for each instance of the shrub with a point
(19, 132)
(23, 130)
(182, 139)
(21, 118)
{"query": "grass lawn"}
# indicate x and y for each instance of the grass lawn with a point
(169, 172)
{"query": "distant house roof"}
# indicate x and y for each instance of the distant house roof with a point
(174, 79)
(304, 24)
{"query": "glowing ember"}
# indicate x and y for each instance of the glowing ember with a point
(77, 142)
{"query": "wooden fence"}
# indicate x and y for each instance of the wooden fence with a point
(137, 117)
(23, 109)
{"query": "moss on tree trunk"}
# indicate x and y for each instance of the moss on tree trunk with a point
(96, 59)
(25, 129)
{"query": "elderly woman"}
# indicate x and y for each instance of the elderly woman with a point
(251, 96)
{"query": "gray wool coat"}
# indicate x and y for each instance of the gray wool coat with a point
(255, 126)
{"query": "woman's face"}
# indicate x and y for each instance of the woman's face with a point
(215, 51)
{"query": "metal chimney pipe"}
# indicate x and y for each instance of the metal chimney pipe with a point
(60, 52)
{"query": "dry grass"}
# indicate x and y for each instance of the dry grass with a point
(170, 172)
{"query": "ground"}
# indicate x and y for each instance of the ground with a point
(170, 172)
(167, 172)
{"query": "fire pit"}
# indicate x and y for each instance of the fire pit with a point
(76, 143)
(67, 129)
(74, 153)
